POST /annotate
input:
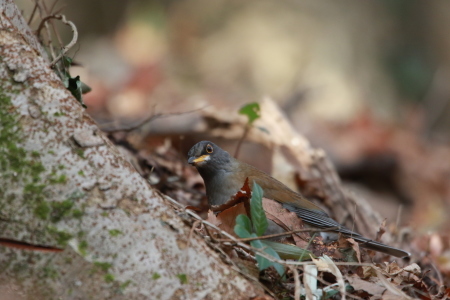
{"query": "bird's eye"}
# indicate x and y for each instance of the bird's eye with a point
(209, 148)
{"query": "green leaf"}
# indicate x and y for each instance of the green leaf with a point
(271, 252)
(74, 84)
(264, 263)
(244, 221)
(85, 88)
(286, 251)
(258, 215)
(252, 111)
(67, 61)
(241, 231)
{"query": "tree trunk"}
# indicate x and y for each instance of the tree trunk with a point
(76, 220)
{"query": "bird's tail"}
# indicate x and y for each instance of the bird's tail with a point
(380, 247)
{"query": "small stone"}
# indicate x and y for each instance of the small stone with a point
(34, 111)
(21, 75)
(88, 137)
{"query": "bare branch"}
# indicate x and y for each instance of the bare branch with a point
(107, 126)
(68, 46)
(32, 13)
(269, 236)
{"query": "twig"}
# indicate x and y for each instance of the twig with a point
(66, 48)
(148, 120)
(244, 135)
(440, 278)
(72, 42)
(32, 13)
(307, 246)
(49, 41)
(298, 287)
(269, 236)
(50, 12)
(398, 219)
(354, 219)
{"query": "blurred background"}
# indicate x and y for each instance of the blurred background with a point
(367, 81)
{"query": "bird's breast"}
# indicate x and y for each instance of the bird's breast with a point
(221, 187)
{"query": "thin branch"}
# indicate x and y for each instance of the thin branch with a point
(244, 135)
(66, 48)
(72, 42)
(106, 127)
(297, 283)
(50, 12)
(398, 219)
(49, 41)
(269, 236)
(32, 13)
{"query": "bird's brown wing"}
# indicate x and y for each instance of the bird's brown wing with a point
(275, 190)
(295, 202)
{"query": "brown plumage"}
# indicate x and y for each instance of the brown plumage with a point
(224, 176)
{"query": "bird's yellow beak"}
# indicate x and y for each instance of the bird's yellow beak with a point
(195, 160)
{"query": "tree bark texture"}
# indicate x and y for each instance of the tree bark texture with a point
(76, 220)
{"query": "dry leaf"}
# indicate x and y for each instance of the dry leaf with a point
(373, 288)
(355, 247)
(226, 220)
(287, 220)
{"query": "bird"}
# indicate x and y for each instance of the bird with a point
(224, 176)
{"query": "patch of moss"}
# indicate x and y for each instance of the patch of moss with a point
(35, 154)
(81, 173)
(109, 278)
(19, 166)
(34, 191)
(104, 266)
(62, 237)
(22, 168)
(80, 152)
(60, 209)
(82, 247)
(77, 214)
(115, 232)
(60, 179)
(124, 285)
(42, 210)
(183, 278)
(50, 272)
(156, 276)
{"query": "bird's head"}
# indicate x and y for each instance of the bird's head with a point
(207, 155)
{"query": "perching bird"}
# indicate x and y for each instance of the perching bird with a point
(224, 176)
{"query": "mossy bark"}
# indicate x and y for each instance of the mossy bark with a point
(64, 229)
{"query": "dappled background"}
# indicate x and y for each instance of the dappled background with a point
(367, 81)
